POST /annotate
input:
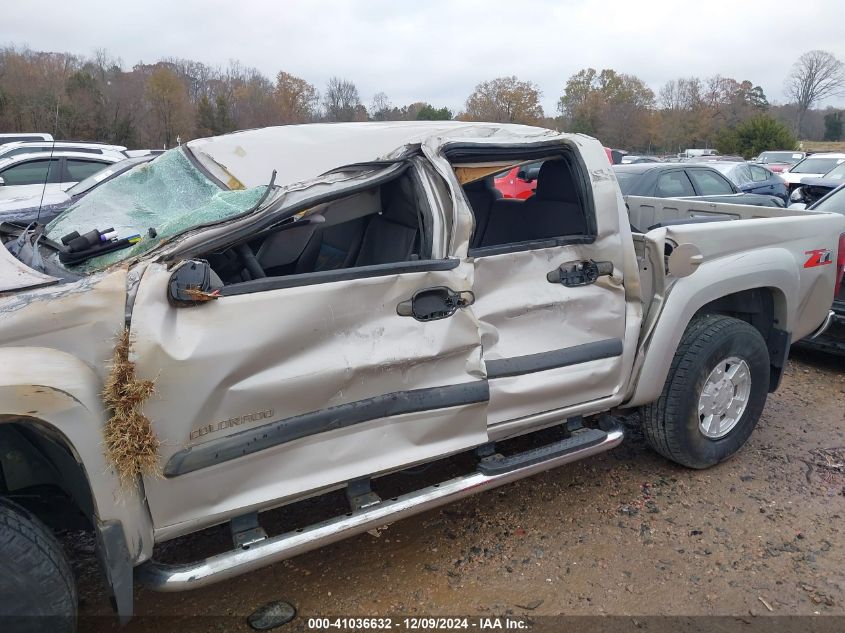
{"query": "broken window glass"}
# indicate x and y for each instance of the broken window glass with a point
(168, 195)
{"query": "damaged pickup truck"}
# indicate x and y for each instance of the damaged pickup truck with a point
(268, 316)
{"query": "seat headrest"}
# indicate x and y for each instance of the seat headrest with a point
(399, 203)
(483, 185)
(554, 182)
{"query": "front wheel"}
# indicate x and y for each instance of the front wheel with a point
(37, 588)
(714, 394)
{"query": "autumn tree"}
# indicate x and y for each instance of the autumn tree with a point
(83, 112)
(694, 111)
(251, 97)
(504, 100)
(615, 107)
(296, 99)
(730, 101)
(679, 120)
(341, 101)
(815, 76)
(168, 98)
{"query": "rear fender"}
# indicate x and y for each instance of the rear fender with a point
(773, 269)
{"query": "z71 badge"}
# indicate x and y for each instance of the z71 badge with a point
(818, 257)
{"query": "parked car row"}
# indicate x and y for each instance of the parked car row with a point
(691, 180)
(43, 206)
(37, 173)
(25, 175)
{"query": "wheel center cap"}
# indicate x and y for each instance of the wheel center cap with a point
(723, 399)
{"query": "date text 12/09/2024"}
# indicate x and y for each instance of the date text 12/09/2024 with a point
(418, 623)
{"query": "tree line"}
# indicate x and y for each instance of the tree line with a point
(159, 104)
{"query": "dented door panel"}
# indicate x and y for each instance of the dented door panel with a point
(580, 329)
(281, 360)
(575, 341)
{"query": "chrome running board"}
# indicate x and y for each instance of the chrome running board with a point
(165, 577)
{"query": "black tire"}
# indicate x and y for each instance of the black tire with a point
(671, 424)
(37, 588)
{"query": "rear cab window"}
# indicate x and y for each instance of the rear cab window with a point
(559, 211)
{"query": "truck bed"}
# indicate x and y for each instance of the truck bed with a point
(764, 244)
(649, 213)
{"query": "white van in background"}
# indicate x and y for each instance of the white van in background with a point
(697, 153)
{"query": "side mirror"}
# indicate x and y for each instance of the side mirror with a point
(2, 182)
(193, 282)
(797, 195)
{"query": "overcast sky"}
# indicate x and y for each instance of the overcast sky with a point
(437, 51)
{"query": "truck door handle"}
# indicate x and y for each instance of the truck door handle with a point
(584, 273)
(430, 304)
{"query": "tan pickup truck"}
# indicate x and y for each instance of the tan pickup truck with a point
(255, 319)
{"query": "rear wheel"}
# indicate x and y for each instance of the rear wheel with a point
(714, 394)
(37, 588)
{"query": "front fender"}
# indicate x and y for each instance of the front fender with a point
(49, 388)
(771, 268)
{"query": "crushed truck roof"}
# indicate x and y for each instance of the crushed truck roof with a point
(302, 152)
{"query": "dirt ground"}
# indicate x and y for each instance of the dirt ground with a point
(624, 533)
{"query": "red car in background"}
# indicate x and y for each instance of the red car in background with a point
(521, 181)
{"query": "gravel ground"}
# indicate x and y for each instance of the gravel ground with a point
(626, 533)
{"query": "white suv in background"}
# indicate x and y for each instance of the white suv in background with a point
(29, 147)
(29, 174)
(13, 137)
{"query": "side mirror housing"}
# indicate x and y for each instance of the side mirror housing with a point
(193, 282)
(797, 195)
(2, 182)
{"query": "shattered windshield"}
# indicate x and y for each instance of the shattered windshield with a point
(168, 195)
